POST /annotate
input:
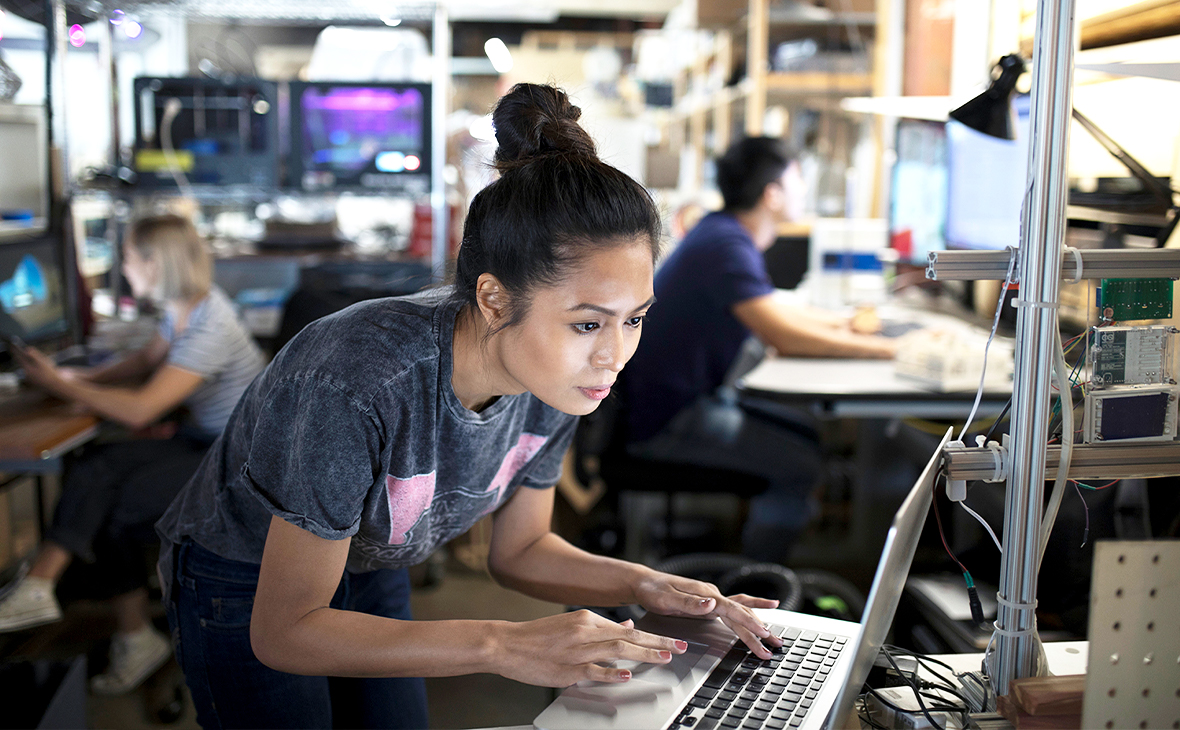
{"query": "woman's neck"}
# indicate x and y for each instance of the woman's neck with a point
(182, 309)
(476, 374)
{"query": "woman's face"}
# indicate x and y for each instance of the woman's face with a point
(578, 334)
(141, 273)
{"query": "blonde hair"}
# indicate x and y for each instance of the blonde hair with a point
(186, 269)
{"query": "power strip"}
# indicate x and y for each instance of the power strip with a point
(913, 718)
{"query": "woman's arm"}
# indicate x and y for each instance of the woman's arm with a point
(135, 364)
(526, 556)
(133, 407)
(293, 629)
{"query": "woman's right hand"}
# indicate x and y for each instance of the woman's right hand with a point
(75, 374)
(560, 650)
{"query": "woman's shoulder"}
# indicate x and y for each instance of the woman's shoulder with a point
(368, 343)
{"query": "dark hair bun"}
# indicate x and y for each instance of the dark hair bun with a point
(534, 121)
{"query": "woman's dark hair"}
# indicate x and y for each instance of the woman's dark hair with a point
(554, 203)
(747, 167)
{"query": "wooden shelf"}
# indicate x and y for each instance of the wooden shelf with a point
(1139, 22)
(819, 82)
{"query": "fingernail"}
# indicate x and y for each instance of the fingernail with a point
(681, 645)
(625, 675)
(706, 601)
(666, 655)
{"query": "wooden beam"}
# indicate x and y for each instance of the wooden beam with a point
(1138, 22)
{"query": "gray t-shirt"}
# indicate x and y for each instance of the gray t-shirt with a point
(355, 431)
(217, 347)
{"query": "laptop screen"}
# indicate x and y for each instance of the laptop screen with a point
(892, 569)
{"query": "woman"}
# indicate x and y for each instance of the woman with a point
(201, 358)
(387, 429)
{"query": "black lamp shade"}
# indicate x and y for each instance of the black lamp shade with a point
(991, 111)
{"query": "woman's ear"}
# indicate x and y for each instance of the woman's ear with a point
(492, 300)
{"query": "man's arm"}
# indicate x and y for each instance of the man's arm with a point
(794, 333)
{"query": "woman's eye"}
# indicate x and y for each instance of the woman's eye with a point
(636, 321)
(586, 327)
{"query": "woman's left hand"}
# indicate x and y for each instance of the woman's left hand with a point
(39, 369)
(672, 595)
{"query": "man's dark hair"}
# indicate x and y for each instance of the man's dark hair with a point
(554, 203)
(747, 167)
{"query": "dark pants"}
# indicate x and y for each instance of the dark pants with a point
(758, 437)
(112, 496)
(209, 612)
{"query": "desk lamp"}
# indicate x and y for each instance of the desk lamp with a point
(991, 114)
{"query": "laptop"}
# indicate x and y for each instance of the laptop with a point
(811, 682)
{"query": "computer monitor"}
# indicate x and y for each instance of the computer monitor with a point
(368, 136)
(223, 134)
(918, 204)
(34, 290)
(986, 184)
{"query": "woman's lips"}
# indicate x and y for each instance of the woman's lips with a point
(596, 393)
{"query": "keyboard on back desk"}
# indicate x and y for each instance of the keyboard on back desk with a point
(746, 692)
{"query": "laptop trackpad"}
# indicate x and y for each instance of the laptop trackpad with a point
(670, 674)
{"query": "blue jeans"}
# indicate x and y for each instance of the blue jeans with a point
(209, 612)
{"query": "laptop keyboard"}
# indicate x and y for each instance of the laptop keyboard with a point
(746, 692)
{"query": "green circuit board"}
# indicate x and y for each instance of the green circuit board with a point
(1122, 300)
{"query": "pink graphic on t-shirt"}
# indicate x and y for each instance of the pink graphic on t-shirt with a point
(408, 499)
(519, 455)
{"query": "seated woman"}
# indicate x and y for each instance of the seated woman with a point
(201, 358)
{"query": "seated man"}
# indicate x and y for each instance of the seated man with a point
(712, 294)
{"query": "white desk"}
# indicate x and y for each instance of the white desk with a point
(847, 388)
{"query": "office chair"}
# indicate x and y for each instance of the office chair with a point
(600, 452)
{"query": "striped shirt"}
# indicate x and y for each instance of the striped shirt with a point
(216, 346)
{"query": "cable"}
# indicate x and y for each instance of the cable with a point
(990, 337)
(1066, 396)
(972, 594)
(1086, 532)
(983, 522)
(172, 109)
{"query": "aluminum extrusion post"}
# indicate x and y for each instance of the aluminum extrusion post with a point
(1043, 235)
(439, 95)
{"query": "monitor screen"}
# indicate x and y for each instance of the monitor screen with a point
(359, 135)
(918, 205)
(213, 133)
(33, 291)
(987, 178)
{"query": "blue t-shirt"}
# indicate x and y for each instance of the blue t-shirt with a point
(690, 337)
(354, 431)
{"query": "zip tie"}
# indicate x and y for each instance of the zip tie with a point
(1038, 305)
(1031, 631)
(999, 464)
(1077, 260)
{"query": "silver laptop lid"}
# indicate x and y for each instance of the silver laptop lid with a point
(892, 569)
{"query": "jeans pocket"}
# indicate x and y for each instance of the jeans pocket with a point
(225, 607)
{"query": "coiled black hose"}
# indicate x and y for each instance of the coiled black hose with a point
(738, 574)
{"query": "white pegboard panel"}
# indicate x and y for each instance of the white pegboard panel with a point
(1133, 679)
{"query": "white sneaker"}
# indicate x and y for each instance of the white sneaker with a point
(30, 603)
(134, 657)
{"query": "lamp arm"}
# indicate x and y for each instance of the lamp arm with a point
(1158, 189)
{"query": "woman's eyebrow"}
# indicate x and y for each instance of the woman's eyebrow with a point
(609, 312)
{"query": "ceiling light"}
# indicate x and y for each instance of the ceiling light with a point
(498, 54)
(391, 21)
(132, 29)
